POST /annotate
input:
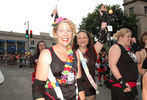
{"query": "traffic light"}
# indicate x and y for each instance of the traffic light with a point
(27, 34)
(31, 35)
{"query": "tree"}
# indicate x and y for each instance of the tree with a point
(119, 19)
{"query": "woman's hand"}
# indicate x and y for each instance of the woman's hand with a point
(127, 89)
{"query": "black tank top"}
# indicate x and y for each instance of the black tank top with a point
(57, 66)
(127, 65)
(91, 57)
(145, 61)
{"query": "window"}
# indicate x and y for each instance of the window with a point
(32, 42)
(131, 10)
(145, 9)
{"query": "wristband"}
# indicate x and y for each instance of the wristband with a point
(122, 83)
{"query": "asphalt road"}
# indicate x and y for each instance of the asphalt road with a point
(18, 85)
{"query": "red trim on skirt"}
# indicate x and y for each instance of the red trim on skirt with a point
(49, 96)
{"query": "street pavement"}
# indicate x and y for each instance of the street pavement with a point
(18, 85)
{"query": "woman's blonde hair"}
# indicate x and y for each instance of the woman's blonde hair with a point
(121, 33)
(71, 24)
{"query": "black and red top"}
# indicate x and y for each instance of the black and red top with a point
(57, 67)
(127, 66)
(91, 57)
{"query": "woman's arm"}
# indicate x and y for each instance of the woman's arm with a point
(144, 90)
(43, 67)
(114, 54)
(142, 54)
(100, 12)
(98, 46)
(78, 77)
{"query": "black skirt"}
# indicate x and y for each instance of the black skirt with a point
(118, 94)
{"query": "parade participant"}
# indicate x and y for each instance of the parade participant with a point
(41, 45)
(144, 90)
(83, 43)
(58, 67)
(142, 67)
(123, 65)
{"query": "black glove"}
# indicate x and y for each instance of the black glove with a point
(122, 83)
(102, 36)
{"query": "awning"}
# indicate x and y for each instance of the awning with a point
(11, 40)
(21, 41)
(21, 50)
(1, 40)
(2, 50)
(11, 49)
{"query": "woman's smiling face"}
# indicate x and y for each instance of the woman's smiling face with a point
(82, 39)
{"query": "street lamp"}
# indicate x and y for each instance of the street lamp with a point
(110, 12)
(110, 28)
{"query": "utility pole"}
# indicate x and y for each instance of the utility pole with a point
(27, 35)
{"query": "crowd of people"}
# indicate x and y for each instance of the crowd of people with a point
(19, 59)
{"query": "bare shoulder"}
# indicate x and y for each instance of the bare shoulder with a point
(114, 48)
(143, 53)
(45, 56)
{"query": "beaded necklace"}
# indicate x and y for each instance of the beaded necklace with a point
(65, 73)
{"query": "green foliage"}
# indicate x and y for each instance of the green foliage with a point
(119, 19)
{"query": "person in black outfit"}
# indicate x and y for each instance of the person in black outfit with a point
(123, 65)
(142, 67)
(84, 43)
(58, 67)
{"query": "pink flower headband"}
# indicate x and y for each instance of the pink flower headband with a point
(58, 20)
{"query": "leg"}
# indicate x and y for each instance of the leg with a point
(93, 97)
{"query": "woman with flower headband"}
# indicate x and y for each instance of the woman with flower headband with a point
(84, 45)
(58, 67)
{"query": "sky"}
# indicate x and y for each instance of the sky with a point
(14, 13)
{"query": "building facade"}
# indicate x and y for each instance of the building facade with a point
(139, 7)
(12, 42)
